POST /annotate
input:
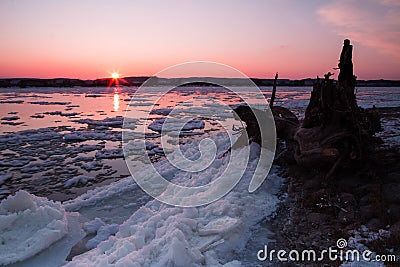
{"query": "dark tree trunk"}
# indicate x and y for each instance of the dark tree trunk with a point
(271, 102)
(335, 131)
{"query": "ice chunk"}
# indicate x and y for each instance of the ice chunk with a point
(28, 225)
(138, 146)
(220, 226)
(11, 101)
(78, 180)
(111, 122)
(49, 103)
(161, 111)
(173, 124)
(103, 233)
(60, 113)
(37, 116)
(92, 135)
(92, 166)
(10, 118)
(110, 153)
(92, 226)
(11, 123)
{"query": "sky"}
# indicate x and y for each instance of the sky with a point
(299, 39)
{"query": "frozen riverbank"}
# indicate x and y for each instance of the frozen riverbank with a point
(150, 233)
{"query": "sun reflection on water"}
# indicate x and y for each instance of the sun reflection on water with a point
(116, 100)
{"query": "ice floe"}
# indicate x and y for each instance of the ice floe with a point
(49, 103)
(78, 180)
(60, 113)
(10, 118)
(92, 135)
(138, 146)
(12, 123)
(110, 153)
(161, 111)
(111, 122)
(175, 124)
(11, 101)
(37, 116)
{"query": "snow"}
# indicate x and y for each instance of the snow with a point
(102, 234)
(99, 194)
(391, 131)
(92, 226)
(357, 240)
(78, 180)
(56, 254)
(157, 234)
(28, 225)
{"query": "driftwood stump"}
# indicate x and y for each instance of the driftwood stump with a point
(335, 131)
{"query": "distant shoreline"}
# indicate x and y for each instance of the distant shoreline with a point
(138, 81)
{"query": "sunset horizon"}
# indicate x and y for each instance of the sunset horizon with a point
(45, 39)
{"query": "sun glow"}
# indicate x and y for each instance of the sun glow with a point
(115, 75)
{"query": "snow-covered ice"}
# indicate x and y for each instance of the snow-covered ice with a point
(78, 180)
(103, 232)
(357, 242)
(111, 122)
(161, 235)
(92, 135)
(28, 225)
(110, 153)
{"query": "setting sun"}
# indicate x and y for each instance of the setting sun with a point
(115, 75)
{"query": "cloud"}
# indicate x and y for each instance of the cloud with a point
(369, 22)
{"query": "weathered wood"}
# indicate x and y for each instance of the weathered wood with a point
(271, 102)
(335, 131)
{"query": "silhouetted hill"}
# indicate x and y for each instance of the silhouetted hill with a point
(137, 81)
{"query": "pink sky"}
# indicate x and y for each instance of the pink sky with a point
(299, 39)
